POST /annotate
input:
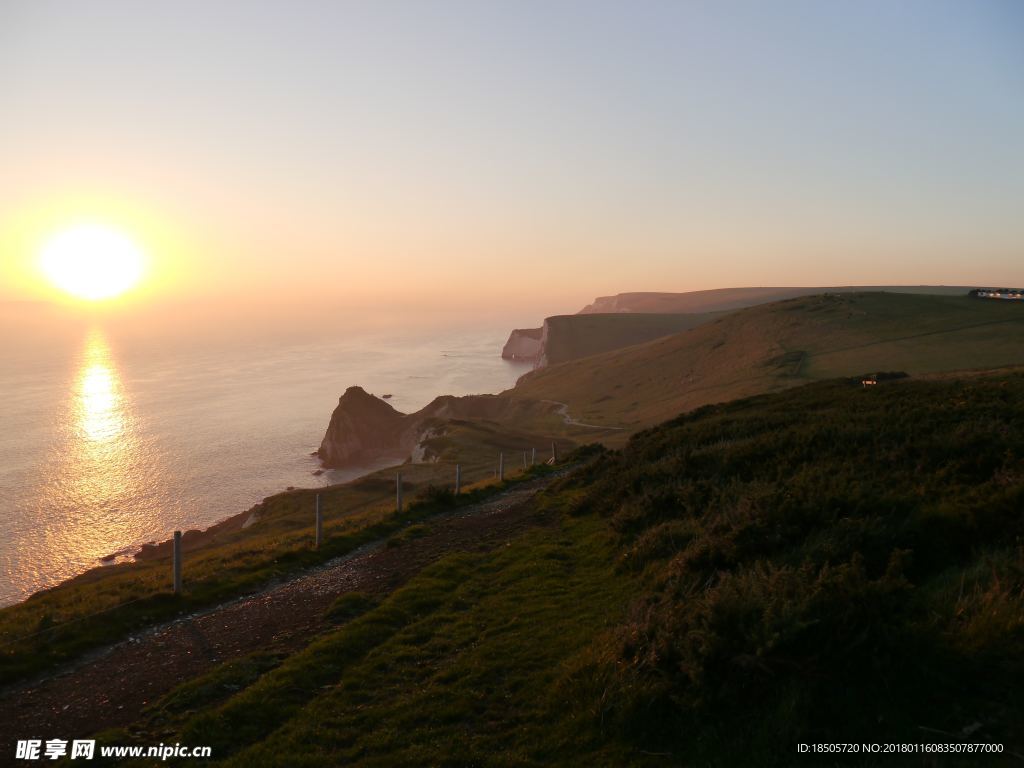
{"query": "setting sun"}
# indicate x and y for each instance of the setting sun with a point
(92, 262)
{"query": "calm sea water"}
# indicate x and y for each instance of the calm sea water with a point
(106, 444)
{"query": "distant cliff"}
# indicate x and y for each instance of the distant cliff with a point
(633, 318)
(568, 337)
(523, 344)
(725, 299)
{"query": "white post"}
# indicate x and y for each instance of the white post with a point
(533, 456)
(458, 479)
(398, 492)
(177, 562)
(319, 523)
(501, 467)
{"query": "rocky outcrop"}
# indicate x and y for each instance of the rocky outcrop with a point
(365, 429)
(523, 344)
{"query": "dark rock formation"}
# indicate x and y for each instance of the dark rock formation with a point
(362, 428)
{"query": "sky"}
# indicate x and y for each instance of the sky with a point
(473, 155)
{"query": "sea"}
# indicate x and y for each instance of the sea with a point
(110, 439)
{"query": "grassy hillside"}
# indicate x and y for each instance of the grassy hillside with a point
(830, 564)
(827, 564)
(569, 337)
(105, 604)
(780, 345)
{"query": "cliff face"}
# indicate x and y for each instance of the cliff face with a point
(523, 344)
(568, 337)
(362, 428)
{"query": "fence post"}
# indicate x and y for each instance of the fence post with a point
(554, 451)
(398, 492)
(525, 465)
(533, 456)
(501, 467)
(319, 523)
(177, 562)
(458, 478)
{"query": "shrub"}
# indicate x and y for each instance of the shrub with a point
(437, 496)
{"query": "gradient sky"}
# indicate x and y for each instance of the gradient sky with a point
(493, 153)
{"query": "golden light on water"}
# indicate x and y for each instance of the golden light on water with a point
(101, 417)
(95, 479)
(92, 262)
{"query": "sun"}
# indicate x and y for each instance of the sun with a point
(92, 262)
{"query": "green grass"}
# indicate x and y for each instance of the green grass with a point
(461, 666)
(574, 336)
(106, 605)
(829, 564)
(825, 564)
(777, 346)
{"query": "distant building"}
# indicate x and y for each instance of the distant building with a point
(1011, 294)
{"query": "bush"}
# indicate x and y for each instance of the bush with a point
(437, 496)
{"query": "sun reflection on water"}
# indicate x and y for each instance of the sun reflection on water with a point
(97, 486)
(103, 441)
(100, 403)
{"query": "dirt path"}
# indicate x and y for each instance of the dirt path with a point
(563, 411)
(111, 687)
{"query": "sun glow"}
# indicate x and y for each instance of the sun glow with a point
(92, 262)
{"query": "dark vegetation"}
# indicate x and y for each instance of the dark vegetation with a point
(828, 564)
(831, 564)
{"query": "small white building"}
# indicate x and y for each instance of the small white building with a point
(1006, 294)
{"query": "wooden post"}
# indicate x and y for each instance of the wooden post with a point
(458, 479)
(398, 492)
(554, 451)
(533, 456)
(319, 523)
(525, 465)
(501, 467)
(177, 562)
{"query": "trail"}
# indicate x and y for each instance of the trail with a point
(110, 687)
(563, 411)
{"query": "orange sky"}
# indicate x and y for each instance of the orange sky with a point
(482, 158)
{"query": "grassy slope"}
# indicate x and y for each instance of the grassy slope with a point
(827, 564)
(462, 666)
(105, 604)
(776, 346)
(575, 336)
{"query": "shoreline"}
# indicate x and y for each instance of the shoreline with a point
(194, 538)
(199, 482)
